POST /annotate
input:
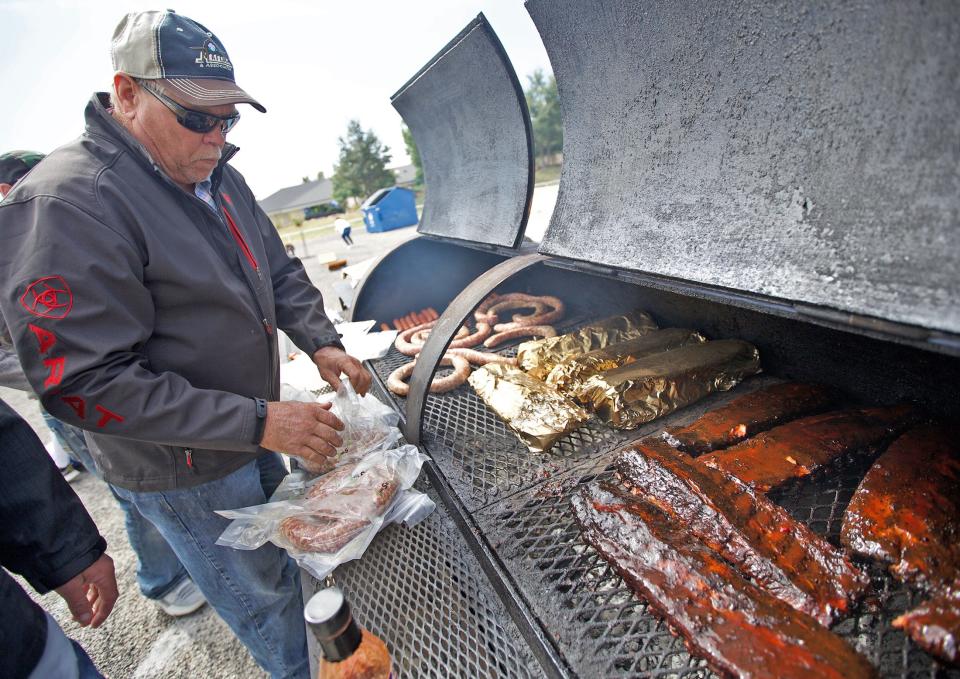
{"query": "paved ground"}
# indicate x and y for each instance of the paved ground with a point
(138, 641)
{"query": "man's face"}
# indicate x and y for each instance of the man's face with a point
(186, 157)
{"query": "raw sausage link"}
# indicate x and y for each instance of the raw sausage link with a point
(541, 317)
(483, 357)
(482, 333)
(482, 313)
(403, 342)
(418, 338)
(323, 534)
(537, 306)
(524, 331)
(396, 382)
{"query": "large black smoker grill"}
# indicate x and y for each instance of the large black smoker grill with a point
(783, 174)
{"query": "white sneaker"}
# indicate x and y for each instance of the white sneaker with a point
(183, 599)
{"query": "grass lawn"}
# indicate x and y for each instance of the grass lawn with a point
(547, 175)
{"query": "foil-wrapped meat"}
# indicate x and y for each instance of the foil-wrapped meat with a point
(538, 357)
(569, 375)
(538, 414)
(659, 384)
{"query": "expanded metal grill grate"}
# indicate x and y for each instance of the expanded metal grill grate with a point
(479, 456)
(520, 502)
(603, 629)
(423, 592)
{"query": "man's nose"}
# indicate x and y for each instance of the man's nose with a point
(216, 136)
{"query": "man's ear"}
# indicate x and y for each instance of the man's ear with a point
(5, 189)
(126, 93)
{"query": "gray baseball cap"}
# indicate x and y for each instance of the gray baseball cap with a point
(187, 57)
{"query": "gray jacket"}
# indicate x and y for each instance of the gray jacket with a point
(145, 317)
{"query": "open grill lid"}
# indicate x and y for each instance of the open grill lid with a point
(810, 154)
(468, 115)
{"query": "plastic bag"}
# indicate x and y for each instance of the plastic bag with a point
(332, 519)
(369, 425)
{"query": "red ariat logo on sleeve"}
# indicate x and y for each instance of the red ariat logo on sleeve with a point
(106, 416)
(55, 365)
(48, 297)
(45, 338)
(78, 403)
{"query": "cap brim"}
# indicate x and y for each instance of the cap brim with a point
(210, 92)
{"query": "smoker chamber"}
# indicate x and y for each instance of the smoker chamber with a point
(787, 175)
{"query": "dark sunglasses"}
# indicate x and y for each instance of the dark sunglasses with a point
(195, 121)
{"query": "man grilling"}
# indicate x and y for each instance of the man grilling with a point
(143, 288)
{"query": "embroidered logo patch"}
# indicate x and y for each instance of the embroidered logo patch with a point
(45, 338)
(48, 297)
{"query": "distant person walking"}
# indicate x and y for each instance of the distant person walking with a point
(343, 228)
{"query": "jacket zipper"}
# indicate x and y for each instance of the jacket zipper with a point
(189, 453)
(267, 327)
(237, 236)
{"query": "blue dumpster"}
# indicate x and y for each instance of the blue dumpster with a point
(389, 209)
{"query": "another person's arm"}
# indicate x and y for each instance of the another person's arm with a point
(46, 534)
(11, 373)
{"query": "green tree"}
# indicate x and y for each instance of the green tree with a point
(544, 104)
(413, 152)
(362, 167)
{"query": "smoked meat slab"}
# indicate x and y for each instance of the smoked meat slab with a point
(756, 536)
(738, 628)
(906, 511)
(801, 447)
(750, 414)
(934, 625)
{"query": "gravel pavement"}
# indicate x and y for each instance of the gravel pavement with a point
(139, 641)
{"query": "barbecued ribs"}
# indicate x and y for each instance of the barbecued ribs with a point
(755, 535)
(740, 629)
(934, 625)
(906, 511)
(803, 446)
(750, 414)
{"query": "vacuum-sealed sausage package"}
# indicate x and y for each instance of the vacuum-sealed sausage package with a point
(333, 519)
(368, 425)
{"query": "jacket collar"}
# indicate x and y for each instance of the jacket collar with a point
(99, 121)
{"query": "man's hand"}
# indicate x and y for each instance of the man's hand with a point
(92, 593)
(331, 361)
(307, 430)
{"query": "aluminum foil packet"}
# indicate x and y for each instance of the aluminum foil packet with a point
(536, 413)
(538, 357)
(642, 391)
(569, 375)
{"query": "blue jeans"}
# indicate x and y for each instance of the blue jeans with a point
(158, 568)
(63, 657)
(256, 592)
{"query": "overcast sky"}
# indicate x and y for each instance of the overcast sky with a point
(314, 64)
